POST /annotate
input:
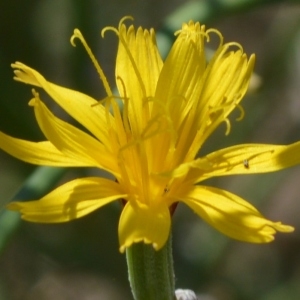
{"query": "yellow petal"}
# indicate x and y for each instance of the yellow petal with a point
(71, 141)
(177, 94)
(180, 79)
(226, 81)
(143, 49)
(38, 153)
(240, 159)
(76, 104)
(199, 96)
(137, 69)
(72, 200)
(231, 215)
(144, 224)
(243, 159)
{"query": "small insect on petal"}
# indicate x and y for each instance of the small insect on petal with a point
(246, 163)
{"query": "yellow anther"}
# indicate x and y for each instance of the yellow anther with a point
(125, 107)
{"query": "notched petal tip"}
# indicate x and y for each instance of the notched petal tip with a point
(25, 74)
(16, 65)
(126, 245)
(232, 215)
(283, 228)
(267, 234)
(144, 224)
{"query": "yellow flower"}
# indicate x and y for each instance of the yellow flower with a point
(149, 145)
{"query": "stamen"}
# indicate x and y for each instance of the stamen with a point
(113, 28)
(137, 73)
(107, 110)
(109, 28)
(105, 99)
(124, 179)
(156, 126)
(212, 111)
(218, 33)
(123, 20)
(77, 34)
(228, 126)
(167, 116)
(125, 107)
(142, 173)
(112, 110)
(217, 56)
(234, 44)
(121, 133)
(148, 133)
(242, 111)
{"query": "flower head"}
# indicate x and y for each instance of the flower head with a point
(148, 137)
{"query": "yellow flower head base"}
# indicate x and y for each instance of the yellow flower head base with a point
(148, 137)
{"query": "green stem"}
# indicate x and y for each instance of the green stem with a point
(151, 273)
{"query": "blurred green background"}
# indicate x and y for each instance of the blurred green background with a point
(80, 259)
